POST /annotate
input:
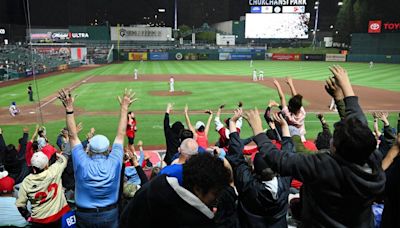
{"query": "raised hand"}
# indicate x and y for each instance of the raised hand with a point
(209, 112)
(289, 81)
(140, 143)
(170, 107)
(273, 103)
(1, 131)
(254, 120)
(25, 130)
(186, 109)
(222, 106)
(66, 99)
(79, 127)
(240, 104)
(237, 114)
(276, 83)
(279, 119)
(333, 89)
(127, 98)
(383, 116)
(342, 80)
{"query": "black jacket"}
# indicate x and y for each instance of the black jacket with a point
(15, 163)
(171, 139)
(336, 193)
(163, 203)
(391, 212)
(257, 205)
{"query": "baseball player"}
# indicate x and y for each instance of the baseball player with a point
(13, 109)
(261, 75)
(255, 75)
(136, 71)
(371, 65)
(171, 84)
(251, 63)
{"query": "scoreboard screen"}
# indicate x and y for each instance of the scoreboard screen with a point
(277, 26)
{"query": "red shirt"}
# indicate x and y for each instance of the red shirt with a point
(131, 129)
(202, 139)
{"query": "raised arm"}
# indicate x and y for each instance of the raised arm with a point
(189, 125)
(68, 101)
(353, 109)
(217, 120)
(2, 147)
(208, 121)
(289, 81)
(125, 102)
(280, 93)
(336, 93)
(166, 118)
(392, 154)
(35, 133)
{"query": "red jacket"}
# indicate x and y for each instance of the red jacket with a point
(131, 129)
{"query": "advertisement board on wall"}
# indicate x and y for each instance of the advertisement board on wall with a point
(78, 54)
(136, 56)
(53, 50)
(141, 33)
(237, 56)
(158, 56)
(313, 57)
(335, 58)
(224, 56)
(286, 57)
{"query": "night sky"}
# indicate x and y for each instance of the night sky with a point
(56, 13)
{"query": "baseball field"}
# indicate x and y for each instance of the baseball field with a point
(200, 84)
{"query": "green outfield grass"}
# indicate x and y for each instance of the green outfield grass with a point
(150, 127)
(101, 96)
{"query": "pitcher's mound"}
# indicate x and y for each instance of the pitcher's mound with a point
(167, 93)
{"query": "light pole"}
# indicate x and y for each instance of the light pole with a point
(316, 7)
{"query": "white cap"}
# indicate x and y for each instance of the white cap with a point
(41, 142)
(99, 144)
(39, 160)
(199, 124)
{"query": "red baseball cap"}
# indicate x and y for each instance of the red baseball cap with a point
(6, 184)
(49, 150)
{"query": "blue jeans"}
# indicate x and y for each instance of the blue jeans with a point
(104, 219)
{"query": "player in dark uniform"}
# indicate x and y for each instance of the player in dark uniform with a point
(30, 92)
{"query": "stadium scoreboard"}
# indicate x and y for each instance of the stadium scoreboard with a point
(277, 19)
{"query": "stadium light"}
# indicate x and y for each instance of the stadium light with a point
(315, 7)
(340, 3)
(161, 10)
(317, 3)
(331, 26)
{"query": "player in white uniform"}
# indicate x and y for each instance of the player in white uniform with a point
(371, 65)
(13, 109)
(251, 63)
(254, 75)
(171, 84)
(136, 73)
(261, 75)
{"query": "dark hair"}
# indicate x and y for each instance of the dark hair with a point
(323, 140)
(295, 103)
(185, 134)
(154, 172)
(201, 129)
(35, 145)
(177, 127)
(262, 170)
(129, 113)
(205, 172)
(227, 122)
(353, 140)
(40, 133)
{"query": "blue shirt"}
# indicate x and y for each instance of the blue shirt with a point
(9, 214)
(175, 170)
(97, 177)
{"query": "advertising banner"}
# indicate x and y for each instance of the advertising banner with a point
(224, 56)
(237, 56)
(158, 55)
(335, 58)
(313, 57)
(375, 27)
(137, 56)
(78, 54)
(286, 57)
(141, 33)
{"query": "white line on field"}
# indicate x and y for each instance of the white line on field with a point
(71, 88)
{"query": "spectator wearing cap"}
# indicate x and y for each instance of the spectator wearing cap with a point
(339, 187)
(43, 189)
(163, 202)
(188, 148)
(9, 214)
(200, 130)
(263, 195)
(172, 134)
(97, 171)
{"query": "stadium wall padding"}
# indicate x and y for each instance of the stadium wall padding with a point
(374, 58)
(378, 44)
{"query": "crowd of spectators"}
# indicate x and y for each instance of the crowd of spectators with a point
(345, 178)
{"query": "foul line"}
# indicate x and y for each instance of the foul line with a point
(71, 88)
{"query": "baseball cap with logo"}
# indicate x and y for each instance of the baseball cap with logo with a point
(99, 144)
(6, 184)
(199, 124)
(39, 160)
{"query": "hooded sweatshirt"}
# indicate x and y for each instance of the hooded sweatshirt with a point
(173, 206)
(336, 193)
